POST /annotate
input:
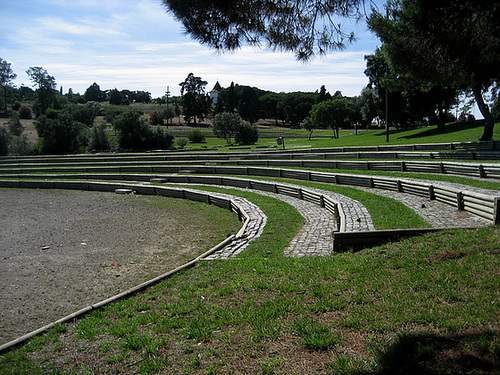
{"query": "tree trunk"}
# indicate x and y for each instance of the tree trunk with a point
(489, 123)
(5, 97)
(441, 118)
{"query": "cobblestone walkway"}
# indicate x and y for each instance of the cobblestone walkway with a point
(315, 237)
(437, 214)
(254, 227)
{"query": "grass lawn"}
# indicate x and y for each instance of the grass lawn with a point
(424, 305)
(460, 132)
(386, 213)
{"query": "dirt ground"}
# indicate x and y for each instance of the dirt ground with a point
(62, 250)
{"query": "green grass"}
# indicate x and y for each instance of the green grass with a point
(429, 302)
(460, 132)
(483, 184)
(386, 213)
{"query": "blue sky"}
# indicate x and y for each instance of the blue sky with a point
(137, 45)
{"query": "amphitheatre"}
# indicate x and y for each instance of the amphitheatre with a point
(61, 267)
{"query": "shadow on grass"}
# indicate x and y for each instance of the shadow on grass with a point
(450, 128)
(474, 353)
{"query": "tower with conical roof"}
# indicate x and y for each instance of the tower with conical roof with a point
(214, 93)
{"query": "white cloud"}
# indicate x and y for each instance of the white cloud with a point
(137, 45)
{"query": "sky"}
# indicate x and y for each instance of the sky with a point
(137, 45)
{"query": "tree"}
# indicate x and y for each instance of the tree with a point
(115, 97)
(45, 88)
(332, 113)
(453, 43)
(94, 93)
(226, 125)
(411, 100)
(306, 27)
(98, 140)
(194, 102)
(168, 114)
(25, 93)
(25, 112)
(132, 130)
(15, 126)
(308, 125)
(369, 105)
(61, 134)
(248, 104)
(269, 104)
(296, 106)
(134, 133)
(323, 95)
(85, 114)
(7, 75)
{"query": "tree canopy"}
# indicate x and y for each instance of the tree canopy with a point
(306, 27)
(45, 88)
(449, 42)
(7, 75)
(195, 103)
(94, 93)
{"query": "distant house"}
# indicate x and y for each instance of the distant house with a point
(214, 94)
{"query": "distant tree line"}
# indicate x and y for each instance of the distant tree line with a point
(65, 123)
(432, 51)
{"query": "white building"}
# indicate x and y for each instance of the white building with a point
(214, 94)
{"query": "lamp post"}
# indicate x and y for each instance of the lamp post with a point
(387, 94)
(167, 94)
(387, 115)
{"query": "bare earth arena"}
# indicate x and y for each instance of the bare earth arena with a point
(64, 250)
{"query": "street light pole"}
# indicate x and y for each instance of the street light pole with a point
(387, 115)
(167, 94)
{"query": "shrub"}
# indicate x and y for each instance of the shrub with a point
(159, 139)
(134, 133)
(62, 134)
(15, 126)
(155, 118)
(16, 106)
(25, 112)
(196, 136)
(52, 113)
(4, 142)
(111, 113)
(98, 140)
(182, 142)
(20, 145)
(246, 134)
(85, 114)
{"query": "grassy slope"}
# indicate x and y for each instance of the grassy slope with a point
(461, 132)
(425, 304)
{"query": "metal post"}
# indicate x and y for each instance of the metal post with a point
(387, 115)
(167, 94)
